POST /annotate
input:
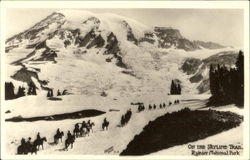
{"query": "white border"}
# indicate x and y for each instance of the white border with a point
(132, 4)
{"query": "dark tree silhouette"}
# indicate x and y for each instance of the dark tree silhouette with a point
(20, 92)
(58, 93)
(9, 91)
(51, 93)
(240, 78)
(227, 85)
(175, 88)
(48, 94)
(31, 88)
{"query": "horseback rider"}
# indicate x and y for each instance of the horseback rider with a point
(28, 143)
(129, 111)
(149, 107)
(88, 123)
(84, 125)
(122, 120)
(154, 106)
(38, 137)
(105, 124)
(77, 126)
(58, 131)
(69, 135)
(105, 120)
(23, 141)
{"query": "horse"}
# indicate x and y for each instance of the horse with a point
(105, 124)
(39, 142)
(150, 107)
(164, 105)
(76, 132)
(70, 140)
(141, 108)
(90, 126)
(33, 148)
(128, 115)
(84, 131)
(27, 148)
(22, 149)
(123, 120)
(58, 136)
(154, 106)
(170, 103)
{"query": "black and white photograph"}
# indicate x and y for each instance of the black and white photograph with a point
(121, 81)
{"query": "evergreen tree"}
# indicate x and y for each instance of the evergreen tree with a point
(34, 90)
(48, 94)
(172, 88)
(179, 89)
(58, 93)
(21, 92)
(31, 89)
(64, 92)
(240, 63)
(175, 88)
(227, 86)
(51, 93)
(9, 91)
(211, 80)
(240, 78)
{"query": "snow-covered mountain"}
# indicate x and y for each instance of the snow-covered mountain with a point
(89, 54)
(198, 69)
(169, 37)
(107, 62)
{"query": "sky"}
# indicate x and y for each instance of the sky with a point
(225, 26)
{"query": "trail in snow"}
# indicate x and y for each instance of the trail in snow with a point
(98, 141)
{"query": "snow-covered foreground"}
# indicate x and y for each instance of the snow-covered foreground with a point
(115, 137)
(233, 136)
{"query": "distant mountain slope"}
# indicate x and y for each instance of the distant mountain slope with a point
(89, 53)
(198, 69)
(169, 37)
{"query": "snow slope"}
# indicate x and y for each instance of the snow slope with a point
(96, 53)
(233, 136)
(88, 54)
(116, 137)
(98, 141)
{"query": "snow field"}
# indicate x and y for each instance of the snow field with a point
(97, 142)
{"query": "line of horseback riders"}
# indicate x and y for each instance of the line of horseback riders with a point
(176, 101)
(31, 147)
(126, 117)
(84, 130)
(150, 107)
(77, 132)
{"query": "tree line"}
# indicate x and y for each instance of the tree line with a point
(10, 90)
(227, 84)
(50, 93)
(175, 88)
